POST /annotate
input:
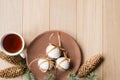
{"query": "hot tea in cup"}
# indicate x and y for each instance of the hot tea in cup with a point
(12, 44)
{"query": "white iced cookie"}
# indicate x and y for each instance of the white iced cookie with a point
(53, 52)
(63, 63)
(45, 64)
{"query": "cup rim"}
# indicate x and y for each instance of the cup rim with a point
(9, 53)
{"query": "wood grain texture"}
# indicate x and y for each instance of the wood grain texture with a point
(63, 16)
(111, 39)
(89, 28)
(94, 24)
(10, 20)
(35, 18)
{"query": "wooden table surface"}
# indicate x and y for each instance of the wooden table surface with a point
(95, 24)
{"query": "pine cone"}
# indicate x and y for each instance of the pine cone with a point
(12, 72)
(90, 65)
(16, 60)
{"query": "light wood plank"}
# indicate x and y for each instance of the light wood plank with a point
(89, 28)
(63, 16)
(10, 20)
(35, 18)
(97, 28)
(111, 39)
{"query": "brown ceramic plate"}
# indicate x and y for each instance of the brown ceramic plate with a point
(38, 48)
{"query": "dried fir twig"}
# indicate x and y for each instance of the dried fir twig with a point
(12, 72)
(16, 60)
(90, 65)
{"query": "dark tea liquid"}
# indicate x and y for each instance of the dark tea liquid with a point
(12, 43)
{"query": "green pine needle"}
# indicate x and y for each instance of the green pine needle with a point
(29, 75)
(92, 76)
(73, 76)
(49, 76)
